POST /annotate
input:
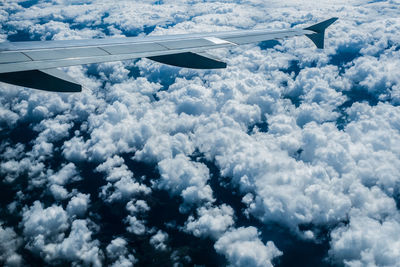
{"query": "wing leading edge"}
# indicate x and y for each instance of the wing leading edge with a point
(34, 64)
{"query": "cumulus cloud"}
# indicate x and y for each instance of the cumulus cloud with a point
(242, 247)
(307, 137)
(77, 247)
(212, 221)
(188, 179)
(158, 240)
(136, 225)
(58, 192)
(366, 242)
(66, 174)
(9, 243)
(121, 183)
(42, 224)
(78, 205)
(46, 228)
(136, 209)
(117, 251)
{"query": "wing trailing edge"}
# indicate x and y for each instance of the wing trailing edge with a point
(190, 60)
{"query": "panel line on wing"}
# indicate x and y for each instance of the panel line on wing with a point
(104, 50)
(27, 56)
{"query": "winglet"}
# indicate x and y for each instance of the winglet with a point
(319, 29)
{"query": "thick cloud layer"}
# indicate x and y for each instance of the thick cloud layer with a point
(156, 163)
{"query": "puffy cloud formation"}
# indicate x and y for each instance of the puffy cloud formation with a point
(212, 221)
(242, 247)
(367, 241)
(136, 209)
(158, 240)
(9, 243)
(287, 135)
(76, 248)
(78, 204)
(117, 251)
(45, 230)
(121, 183)
(183, 177)
(44, 224)
(64, 175)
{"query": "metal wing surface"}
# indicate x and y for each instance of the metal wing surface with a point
(33, 64)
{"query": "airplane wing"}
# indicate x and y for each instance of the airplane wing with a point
(34, 64)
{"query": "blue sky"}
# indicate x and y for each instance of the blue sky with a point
(289, 156)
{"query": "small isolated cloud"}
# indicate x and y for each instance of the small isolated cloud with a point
(158, 240)
(117, 251)
(136, 225)
(137, 209)
(243, 247)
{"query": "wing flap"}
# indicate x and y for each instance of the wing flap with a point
(53, 80)
(190, 60)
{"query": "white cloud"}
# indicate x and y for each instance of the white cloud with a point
(303, 170)
(45, 231)
(12, 169)
(243, 247)
(188, 179)
(66, 174)
(136, 225)
(115, 169)
(77, 247)
(116, 248)
(123, 189)
(74, 149)
(58, 192)
(138, 206)
(158, 240)
(9, 244)
(121, 183)
(78, 205)
(117, 251)
(367, 242)
(137, 209)
(44, 224)
(164, 146)
(211, 221)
